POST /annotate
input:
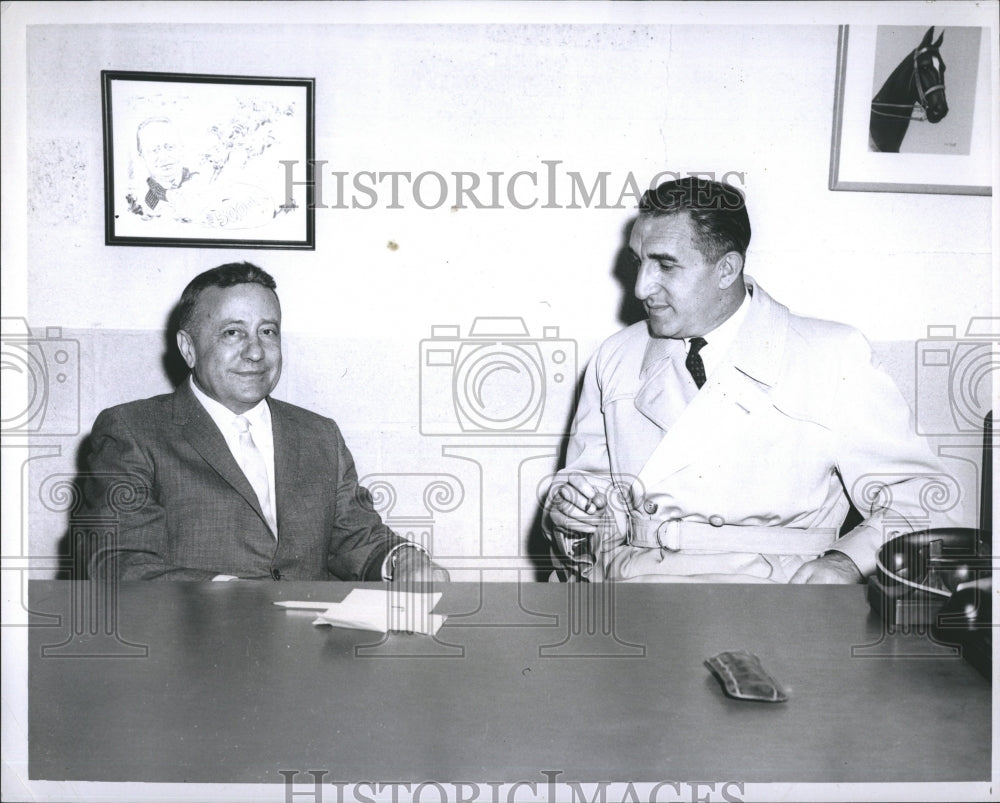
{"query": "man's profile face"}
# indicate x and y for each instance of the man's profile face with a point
(683, 293)
(233, 344)
(160, 148)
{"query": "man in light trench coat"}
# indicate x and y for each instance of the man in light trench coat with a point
(724, 438)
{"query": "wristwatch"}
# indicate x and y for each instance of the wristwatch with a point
(389, 564)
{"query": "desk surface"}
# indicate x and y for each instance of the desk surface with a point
(212, 682)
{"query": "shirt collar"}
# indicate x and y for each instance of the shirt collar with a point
(259, 415)
(722, 336)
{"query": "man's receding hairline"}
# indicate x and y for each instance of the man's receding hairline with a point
(195, 313)
(697, 238)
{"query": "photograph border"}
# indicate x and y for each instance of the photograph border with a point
(887, 182)
(113, 237)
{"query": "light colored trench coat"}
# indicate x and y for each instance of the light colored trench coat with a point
(747, 478)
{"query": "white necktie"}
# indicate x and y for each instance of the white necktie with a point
(253, 465)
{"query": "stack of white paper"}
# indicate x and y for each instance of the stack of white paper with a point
(378, 610)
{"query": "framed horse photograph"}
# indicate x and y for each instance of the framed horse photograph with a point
(912, 110)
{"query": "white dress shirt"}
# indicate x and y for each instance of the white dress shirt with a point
(260, 429)
(718, 341)
(260, 426)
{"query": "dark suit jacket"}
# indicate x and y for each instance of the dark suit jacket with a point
(169, 502)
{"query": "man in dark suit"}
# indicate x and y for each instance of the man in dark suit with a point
(218, 481)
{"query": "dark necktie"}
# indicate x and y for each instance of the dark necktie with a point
(693, 361)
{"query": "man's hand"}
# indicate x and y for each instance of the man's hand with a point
(833, 568)
(576, 505)
(413, 566)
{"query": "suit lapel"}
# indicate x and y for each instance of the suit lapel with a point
(286, 451)
(200, 431)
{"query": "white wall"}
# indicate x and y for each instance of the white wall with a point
(654, 93)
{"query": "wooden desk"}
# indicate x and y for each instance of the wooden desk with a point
(211, 682)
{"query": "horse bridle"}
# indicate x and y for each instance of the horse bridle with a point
(918, 112)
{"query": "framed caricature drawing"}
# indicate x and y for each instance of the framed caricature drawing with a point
(203, 160)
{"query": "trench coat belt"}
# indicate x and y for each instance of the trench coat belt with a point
(678, 534)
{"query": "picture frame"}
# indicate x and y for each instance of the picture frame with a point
(952, 156)
(209, 161)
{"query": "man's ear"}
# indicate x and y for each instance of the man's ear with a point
(186, 347)
(730, 266)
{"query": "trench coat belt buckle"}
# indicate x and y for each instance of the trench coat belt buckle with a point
(677, 534)
(668, 535)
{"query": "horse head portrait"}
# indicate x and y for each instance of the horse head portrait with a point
(913, 91)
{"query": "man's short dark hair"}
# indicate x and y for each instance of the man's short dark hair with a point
(718, 212)
(228, 275)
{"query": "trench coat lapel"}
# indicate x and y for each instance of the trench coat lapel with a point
(666, 387)
(759, 349)
(724, 407)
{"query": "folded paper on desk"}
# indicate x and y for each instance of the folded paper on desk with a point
(378, 610)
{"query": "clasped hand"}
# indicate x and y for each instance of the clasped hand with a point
(576, 505)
